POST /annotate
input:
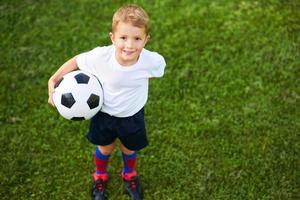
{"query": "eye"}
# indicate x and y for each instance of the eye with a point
(123, 38)
(138, 38)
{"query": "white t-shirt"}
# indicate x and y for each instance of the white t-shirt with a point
(125, 88)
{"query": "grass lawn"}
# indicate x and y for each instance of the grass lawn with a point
(223, 123)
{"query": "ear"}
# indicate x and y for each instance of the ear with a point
(147, 39)
(112, 37)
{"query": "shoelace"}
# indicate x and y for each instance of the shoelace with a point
(133, 184)
(99, 185)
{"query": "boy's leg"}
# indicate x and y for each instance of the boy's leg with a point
(129, 162)
(132, 133)
(132, 182)
(101, 158)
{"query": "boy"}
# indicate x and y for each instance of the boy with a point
(124, 69)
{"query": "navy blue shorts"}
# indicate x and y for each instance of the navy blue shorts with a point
(131, 131)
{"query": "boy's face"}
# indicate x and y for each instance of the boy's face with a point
(129, 41)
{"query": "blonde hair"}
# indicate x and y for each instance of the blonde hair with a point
(133, 14)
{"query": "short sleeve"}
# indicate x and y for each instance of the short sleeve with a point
(88, 61)
(159, 65)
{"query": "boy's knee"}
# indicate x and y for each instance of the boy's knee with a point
(126, 150)
(106, 150)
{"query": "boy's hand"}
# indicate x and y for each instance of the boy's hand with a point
(50, 92)
(67, 67)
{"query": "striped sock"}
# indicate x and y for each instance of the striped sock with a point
(101, 162)
(129, 168)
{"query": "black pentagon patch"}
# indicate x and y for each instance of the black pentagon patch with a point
(57, 84)
(82, 78)
(77, 118)
(67, 100)
(93, 101)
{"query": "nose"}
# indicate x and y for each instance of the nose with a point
(129, 43)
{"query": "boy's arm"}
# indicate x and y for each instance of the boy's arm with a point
(67, 67)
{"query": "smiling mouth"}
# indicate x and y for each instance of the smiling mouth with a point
(128, 52)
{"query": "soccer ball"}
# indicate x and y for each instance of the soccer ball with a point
(78, 96)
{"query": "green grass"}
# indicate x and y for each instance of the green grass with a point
(223, 122)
